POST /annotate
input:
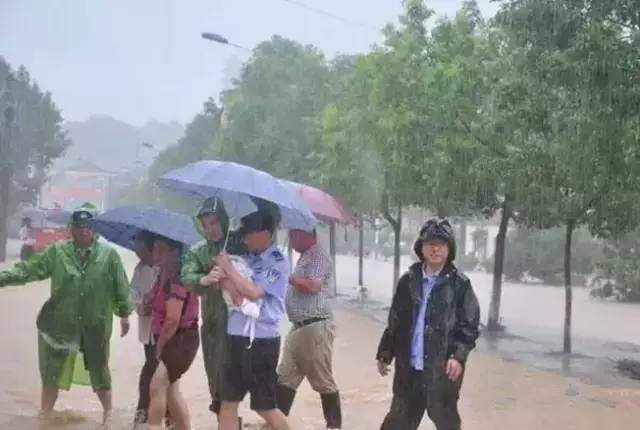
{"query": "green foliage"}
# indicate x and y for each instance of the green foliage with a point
(34, 137)
(619, 273)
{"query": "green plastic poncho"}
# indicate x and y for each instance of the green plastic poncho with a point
(87, 287)
(197, 263)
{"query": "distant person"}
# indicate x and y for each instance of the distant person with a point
(88, 285)
(251, 359)
(212, 222)
(25, 234)
(433, 325)
(308, 348)
(144, 278)
(175, 331)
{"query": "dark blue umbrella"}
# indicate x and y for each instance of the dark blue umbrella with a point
(122, 225)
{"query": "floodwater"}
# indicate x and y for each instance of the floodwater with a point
(584, 392)
(603, 331)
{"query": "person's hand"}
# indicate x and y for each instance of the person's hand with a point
(383, 368)
(217, 274)
(453, 369)
(125, 325)
(223, 261)
(294, 280)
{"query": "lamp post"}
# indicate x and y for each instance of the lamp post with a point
(217, 38)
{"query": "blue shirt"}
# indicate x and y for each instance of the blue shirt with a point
(271, 273)
(417, 342)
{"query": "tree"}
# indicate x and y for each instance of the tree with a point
(576, 86)
(31, 137)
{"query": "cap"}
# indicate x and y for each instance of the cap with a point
(81, 218)
(255, 222)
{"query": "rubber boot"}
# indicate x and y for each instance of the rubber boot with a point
(332, 410)
(284, 398)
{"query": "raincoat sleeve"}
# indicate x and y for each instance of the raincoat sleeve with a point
(122, 306)
(37, 268)
(388, 342)
(192, 271)
(466, 332)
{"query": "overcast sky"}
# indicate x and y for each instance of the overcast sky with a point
(141, 60)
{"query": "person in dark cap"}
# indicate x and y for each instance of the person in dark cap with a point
(432, 327)
(253, 342)
(88, 286)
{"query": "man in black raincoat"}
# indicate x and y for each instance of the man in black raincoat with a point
(433, 325)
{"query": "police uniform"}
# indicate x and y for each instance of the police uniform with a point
(251, 366)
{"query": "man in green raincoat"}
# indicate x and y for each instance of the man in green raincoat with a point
(212, 222)
(88, 285)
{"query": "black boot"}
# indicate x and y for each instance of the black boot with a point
(332, 410)
(284, 398)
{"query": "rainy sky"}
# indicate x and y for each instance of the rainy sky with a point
(144, 60)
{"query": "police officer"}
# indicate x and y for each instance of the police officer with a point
(250, 364)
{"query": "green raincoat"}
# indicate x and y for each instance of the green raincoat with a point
(197, 263)
(87, 287)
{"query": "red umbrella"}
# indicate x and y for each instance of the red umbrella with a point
(323, 205)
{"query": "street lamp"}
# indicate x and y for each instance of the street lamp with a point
(214, 37)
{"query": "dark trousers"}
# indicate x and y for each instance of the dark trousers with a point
(410, 402)
(146, 374)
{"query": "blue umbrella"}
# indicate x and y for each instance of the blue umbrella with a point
(235, 184)
(122, 225)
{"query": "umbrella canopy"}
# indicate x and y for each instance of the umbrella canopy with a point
(323, 205)
(235, 184)
(122, 225)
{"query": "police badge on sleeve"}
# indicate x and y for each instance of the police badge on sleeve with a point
(272, 276)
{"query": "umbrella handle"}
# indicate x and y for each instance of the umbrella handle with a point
(226, 240)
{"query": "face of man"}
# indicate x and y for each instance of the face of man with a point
(301, 240)
(436, 252)
(212, 227)
(82, 235)
(258, 241)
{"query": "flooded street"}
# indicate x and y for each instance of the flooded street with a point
(534, 314)
(517, 395)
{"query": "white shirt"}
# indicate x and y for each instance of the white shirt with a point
(144, 278)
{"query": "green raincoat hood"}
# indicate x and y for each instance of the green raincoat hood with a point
(215, 206)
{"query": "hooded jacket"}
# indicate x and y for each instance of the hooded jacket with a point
(451, 324)
(198, 262)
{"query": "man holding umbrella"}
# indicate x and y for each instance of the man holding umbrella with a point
(88, 285)
(212, 222)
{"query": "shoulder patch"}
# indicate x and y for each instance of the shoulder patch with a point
(277, 255)
(273, 275)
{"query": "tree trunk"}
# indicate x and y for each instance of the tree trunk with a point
(462, 246)
(396, 225)
(332, 251)
(5, 184)
(568, 292)
(493, 323)
(396, 248)
(361, 252)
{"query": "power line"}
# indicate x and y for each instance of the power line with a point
(331, 15)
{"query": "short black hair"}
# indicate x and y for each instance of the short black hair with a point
(257, 221)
